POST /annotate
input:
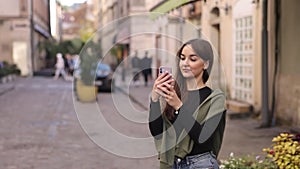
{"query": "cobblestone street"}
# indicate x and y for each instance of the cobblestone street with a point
(43, 128)
(39, 129)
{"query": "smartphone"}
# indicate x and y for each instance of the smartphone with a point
(163, 69)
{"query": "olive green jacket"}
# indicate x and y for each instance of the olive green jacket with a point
(168, 146)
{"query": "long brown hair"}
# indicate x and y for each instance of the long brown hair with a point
(204, 50)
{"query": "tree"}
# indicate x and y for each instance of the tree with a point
(53, 47)
(87, 30)
(89, 57)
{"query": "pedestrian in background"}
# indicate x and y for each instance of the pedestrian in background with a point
(146, 66)
(188, 131)
(149, 63)
(135, 63)
(70, 64)
(60, 67)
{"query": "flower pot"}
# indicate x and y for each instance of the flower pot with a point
(84, 92)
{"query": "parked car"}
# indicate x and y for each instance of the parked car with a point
(104, 78)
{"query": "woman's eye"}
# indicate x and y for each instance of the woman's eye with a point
(182, 57)
(193, 59)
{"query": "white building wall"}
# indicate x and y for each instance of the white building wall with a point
(11, 9)
(226, 46)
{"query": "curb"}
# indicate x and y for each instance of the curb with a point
(295, 129)
(132, 98)
(238, 115)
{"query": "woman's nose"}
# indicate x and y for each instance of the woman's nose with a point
(185, 61)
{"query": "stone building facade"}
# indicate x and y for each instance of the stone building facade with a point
(24, 23)
(252, 71)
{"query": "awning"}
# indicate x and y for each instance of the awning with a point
(42, 31)
(122, 36)
(166, 6)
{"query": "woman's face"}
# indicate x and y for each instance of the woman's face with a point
(191, 65)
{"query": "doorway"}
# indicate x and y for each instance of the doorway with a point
(20, 57)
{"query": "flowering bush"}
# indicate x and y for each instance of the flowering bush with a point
(247, 162)
(285, 151)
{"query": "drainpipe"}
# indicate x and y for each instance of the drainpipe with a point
(276, 64)
(31, 37)
(265, 89)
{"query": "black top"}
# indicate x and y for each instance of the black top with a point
(185, 121)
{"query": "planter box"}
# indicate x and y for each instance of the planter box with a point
(85, 93)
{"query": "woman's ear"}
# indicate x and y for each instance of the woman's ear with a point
(206, 64)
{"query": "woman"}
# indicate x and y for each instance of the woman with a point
(188, 132)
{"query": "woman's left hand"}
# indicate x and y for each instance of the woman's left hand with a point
(170, 95)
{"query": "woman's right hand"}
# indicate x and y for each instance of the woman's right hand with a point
(162, 79)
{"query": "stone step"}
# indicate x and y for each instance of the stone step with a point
(237, 106)
(236, 109)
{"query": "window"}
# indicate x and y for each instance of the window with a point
(243, 66)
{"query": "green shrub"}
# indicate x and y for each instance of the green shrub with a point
(8, 69)
(89, 58)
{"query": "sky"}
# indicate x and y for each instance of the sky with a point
(71, 2)
(53, 12)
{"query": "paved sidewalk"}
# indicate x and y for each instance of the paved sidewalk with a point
(138, 93)
(242, 136)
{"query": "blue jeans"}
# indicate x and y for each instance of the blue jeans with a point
(200, 161)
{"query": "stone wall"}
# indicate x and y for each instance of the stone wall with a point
(288, 87)
(288, 99)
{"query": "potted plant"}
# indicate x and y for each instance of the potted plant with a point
(89, 56)
(8, 72)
